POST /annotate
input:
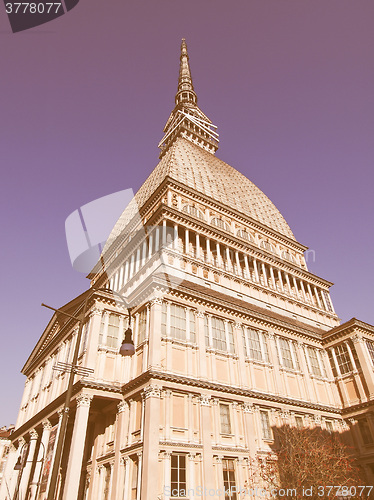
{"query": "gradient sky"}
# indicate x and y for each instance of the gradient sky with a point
(84, 100)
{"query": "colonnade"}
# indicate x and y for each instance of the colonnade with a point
(211, 252)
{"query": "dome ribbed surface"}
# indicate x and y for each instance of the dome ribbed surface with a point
(202, 171)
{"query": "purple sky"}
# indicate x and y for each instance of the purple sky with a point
(84, 100)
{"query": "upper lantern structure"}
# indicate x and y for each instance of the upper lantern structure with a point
(187, 120)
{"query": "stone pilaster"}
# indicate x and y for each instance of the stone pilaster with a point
(154, 344)
(206, 431)
(151, 395)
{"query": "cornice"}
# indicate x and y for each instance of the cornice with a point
(213, 386)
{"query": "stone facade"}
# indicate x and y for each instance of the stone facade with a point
(233, 337)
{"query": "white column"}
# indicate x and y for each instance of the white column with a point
(228, 259)
(206, 437)
(139, 482)
(157, 238)
(272, 277)
(137, 260)
(303, 290)
(238, 262)
(151, 436)
(150, 245)
(120, 284)
(219, 466)
(126, 278)
(164, 235)
(187, 242)
(247, 267)
(175, 237)
(191, 472)
(197, 246)
(126, 493)
(144, 252)
(29, 461)
(310, 293)
(219, 261)
(167, 473)
(296, 289)
(264, 273)
(288, 284)
(132, 266)
(255, 270)
(351, 356)
(74, 468)
(317, 297)
(324, 301)
(280, 279)
(208, 254)
(41, 456)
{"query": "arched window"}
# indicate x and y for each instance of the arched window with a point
(195, 212)
(287, 256)
(221, 224)
(242, 233)
(267, 246)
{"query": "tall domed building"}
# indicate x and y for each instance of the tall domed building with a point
(233, 337)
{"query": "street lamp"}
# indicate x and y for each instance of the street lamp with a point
(127, 349)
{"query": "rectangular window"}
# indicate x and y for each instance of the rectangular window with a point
(218, 334)
(163, 318)
(329, 426)
(256, 345)
(224, 411)
(370, 347)
(101, 332)
(285, 356)
(178, 475)
(313, 361)
(113, 331)
(192, 326)
(177, 322)
(328, 300)
(142, 325)
(299, 422)
(220, 340)
(180, 317)
(342, 356)
(265, 425)
(134, 480)
(229, 483)
(366, 435)
(106, 471)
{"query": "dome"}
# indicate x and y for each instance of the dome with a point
(200, 170)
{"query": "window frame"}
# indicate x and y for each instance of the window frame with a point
(266, 431)
(222, 415)
(179, 471)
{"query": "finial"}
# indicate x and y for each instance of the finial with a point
(187, 120)
(185, 93)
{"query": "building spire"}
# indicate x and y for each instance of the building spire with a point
(185, 91)
(187, 120)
